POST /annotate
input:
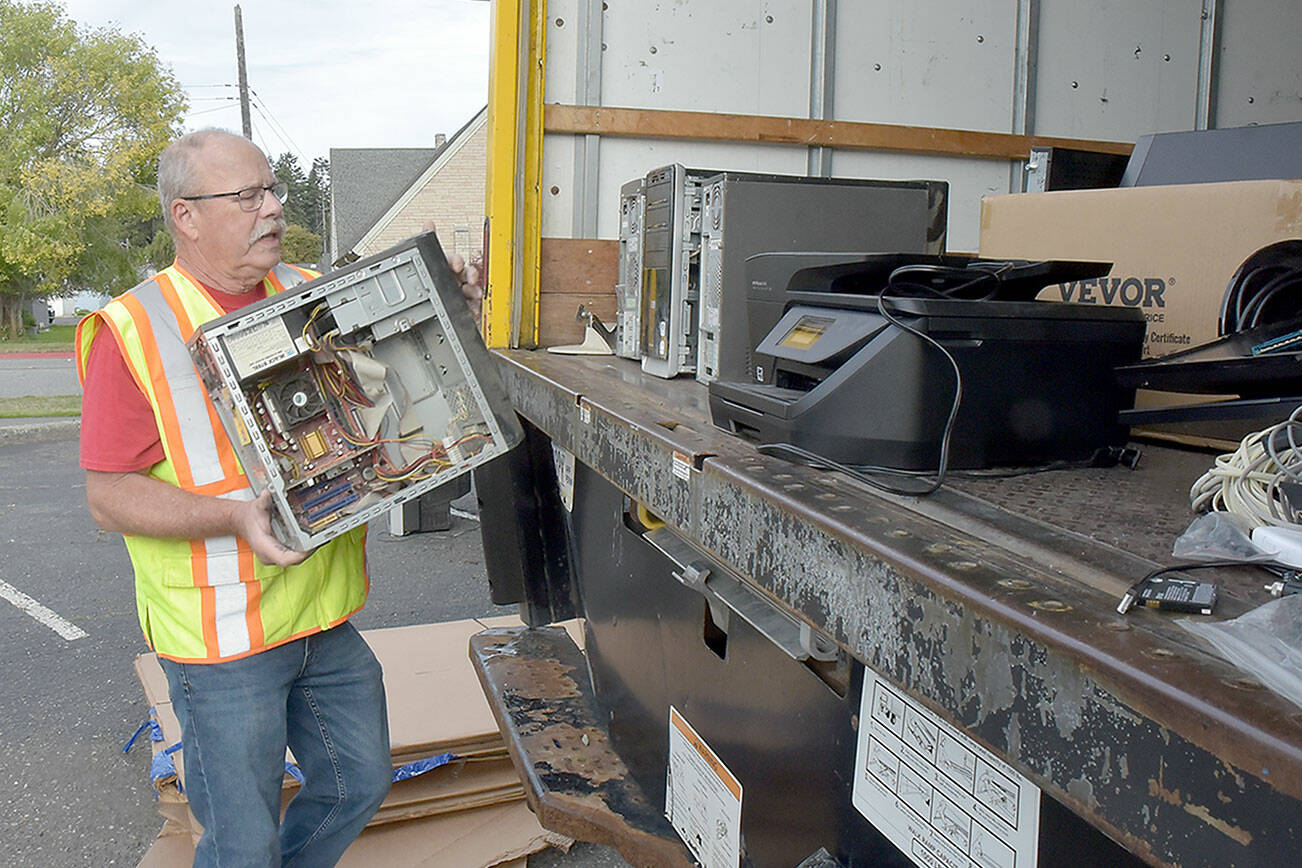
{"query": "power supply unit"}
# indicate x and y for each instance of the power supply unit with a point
(356, 392)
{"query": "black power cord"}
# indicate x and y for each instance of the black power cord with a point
(1266, 289)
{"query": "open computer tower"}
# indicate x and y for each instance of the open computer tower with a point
(356, 392)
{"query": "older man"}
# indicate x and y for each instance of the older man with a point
(254, 637)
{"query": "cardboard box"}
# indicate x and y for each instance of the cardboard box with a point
(1174, 249)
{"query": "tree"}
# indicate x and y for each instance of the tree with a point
(309, 195)
(318, 188)
(300, 245)
(84, 114)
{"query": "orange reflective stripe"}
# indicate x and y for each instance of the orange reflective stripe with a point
(245, 559)
(207, 596)
(199, 562)
(208, 606)
(105, 320)
(173, 300)
(253, 595)
(164, 408)
(222, 486)
(230, 463)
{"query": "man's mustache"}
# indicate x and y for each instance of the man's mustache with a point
(265, 227)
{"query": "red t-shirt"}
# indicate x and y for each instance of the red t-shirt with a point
(118, 431)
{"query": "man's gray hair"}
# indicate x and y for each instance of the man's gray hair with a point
(178, 167)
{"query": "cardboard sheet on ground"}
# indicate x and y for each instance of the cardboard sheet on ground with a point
(454, 787)
(500, 835)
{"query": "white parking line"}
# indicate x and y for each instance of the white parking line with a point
(42, 614)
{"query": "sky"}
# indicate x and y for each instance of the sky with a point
(325, 73)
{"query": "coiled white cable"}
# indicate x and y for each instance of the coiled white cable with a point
(1246, 482)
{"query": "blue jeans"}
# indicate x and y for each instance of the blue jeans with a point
(323, 697)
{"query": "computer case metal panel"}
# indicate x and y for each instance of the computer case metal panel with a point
(671, 270)
(747, 213)
(628, 292)
(358, 391)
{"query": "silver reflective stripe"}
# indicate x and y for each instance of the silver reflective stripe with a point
(223, 560)
(198, 440)
(232, 624)
(230, 596)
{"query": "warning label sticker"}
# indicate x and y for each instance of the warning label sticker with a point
(936, 794)
(702, 798)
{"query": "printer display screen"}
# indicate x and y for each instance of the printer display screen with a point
(805, 333)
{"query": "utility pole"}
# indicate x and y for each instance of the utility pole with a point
(244, 78)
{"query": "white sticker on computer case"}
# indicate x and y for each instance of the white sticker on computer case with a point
(940, 797)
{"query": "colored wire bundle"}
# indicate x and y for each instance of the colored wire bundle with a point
(1247, 482)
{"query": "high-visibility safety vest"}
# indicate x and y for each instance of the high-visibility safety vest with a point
(210, 600)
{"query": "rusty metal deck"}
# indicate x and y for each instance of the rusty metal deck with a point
(992, 602)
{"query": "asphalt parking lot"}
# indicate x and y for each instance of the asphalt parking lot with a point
(68, 705)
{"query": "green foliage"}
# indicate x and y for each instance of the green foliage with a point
(300, 245)
(309, 194)
(161, 250)
(84, 114)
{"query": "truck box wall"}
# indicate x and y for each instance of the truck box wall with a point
(1096, 70)
(950, 89)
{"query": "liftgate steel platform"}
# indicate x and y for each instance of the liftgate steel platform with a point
(760, 600)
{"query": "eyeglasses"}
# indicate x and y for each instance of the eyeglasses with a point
(250, 198)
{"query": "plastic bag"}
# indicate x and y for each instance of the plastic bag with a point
(1266, 642)
(1219, 536)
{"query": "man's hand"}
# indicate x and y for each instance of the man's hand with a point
(254, 520)
(472, 286)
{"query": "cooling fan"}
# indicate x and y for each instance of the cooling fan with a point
(297, 398)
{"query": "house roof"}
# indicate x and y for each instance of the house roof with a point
(365, 183)
(445, 153)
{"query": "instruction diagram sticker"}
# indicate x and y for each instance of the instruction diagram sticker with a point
(702, 798)
(940, 797)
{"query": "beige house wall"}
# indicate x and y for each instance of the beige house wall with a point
(453, 199)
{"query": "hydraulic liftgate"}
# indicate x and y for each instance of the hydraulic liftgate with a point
(791, 617)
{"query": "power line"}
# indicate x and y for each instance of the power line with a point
(216, 108)
(265, 110)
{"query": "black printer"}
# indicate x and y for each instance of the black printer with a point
(841, 368)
